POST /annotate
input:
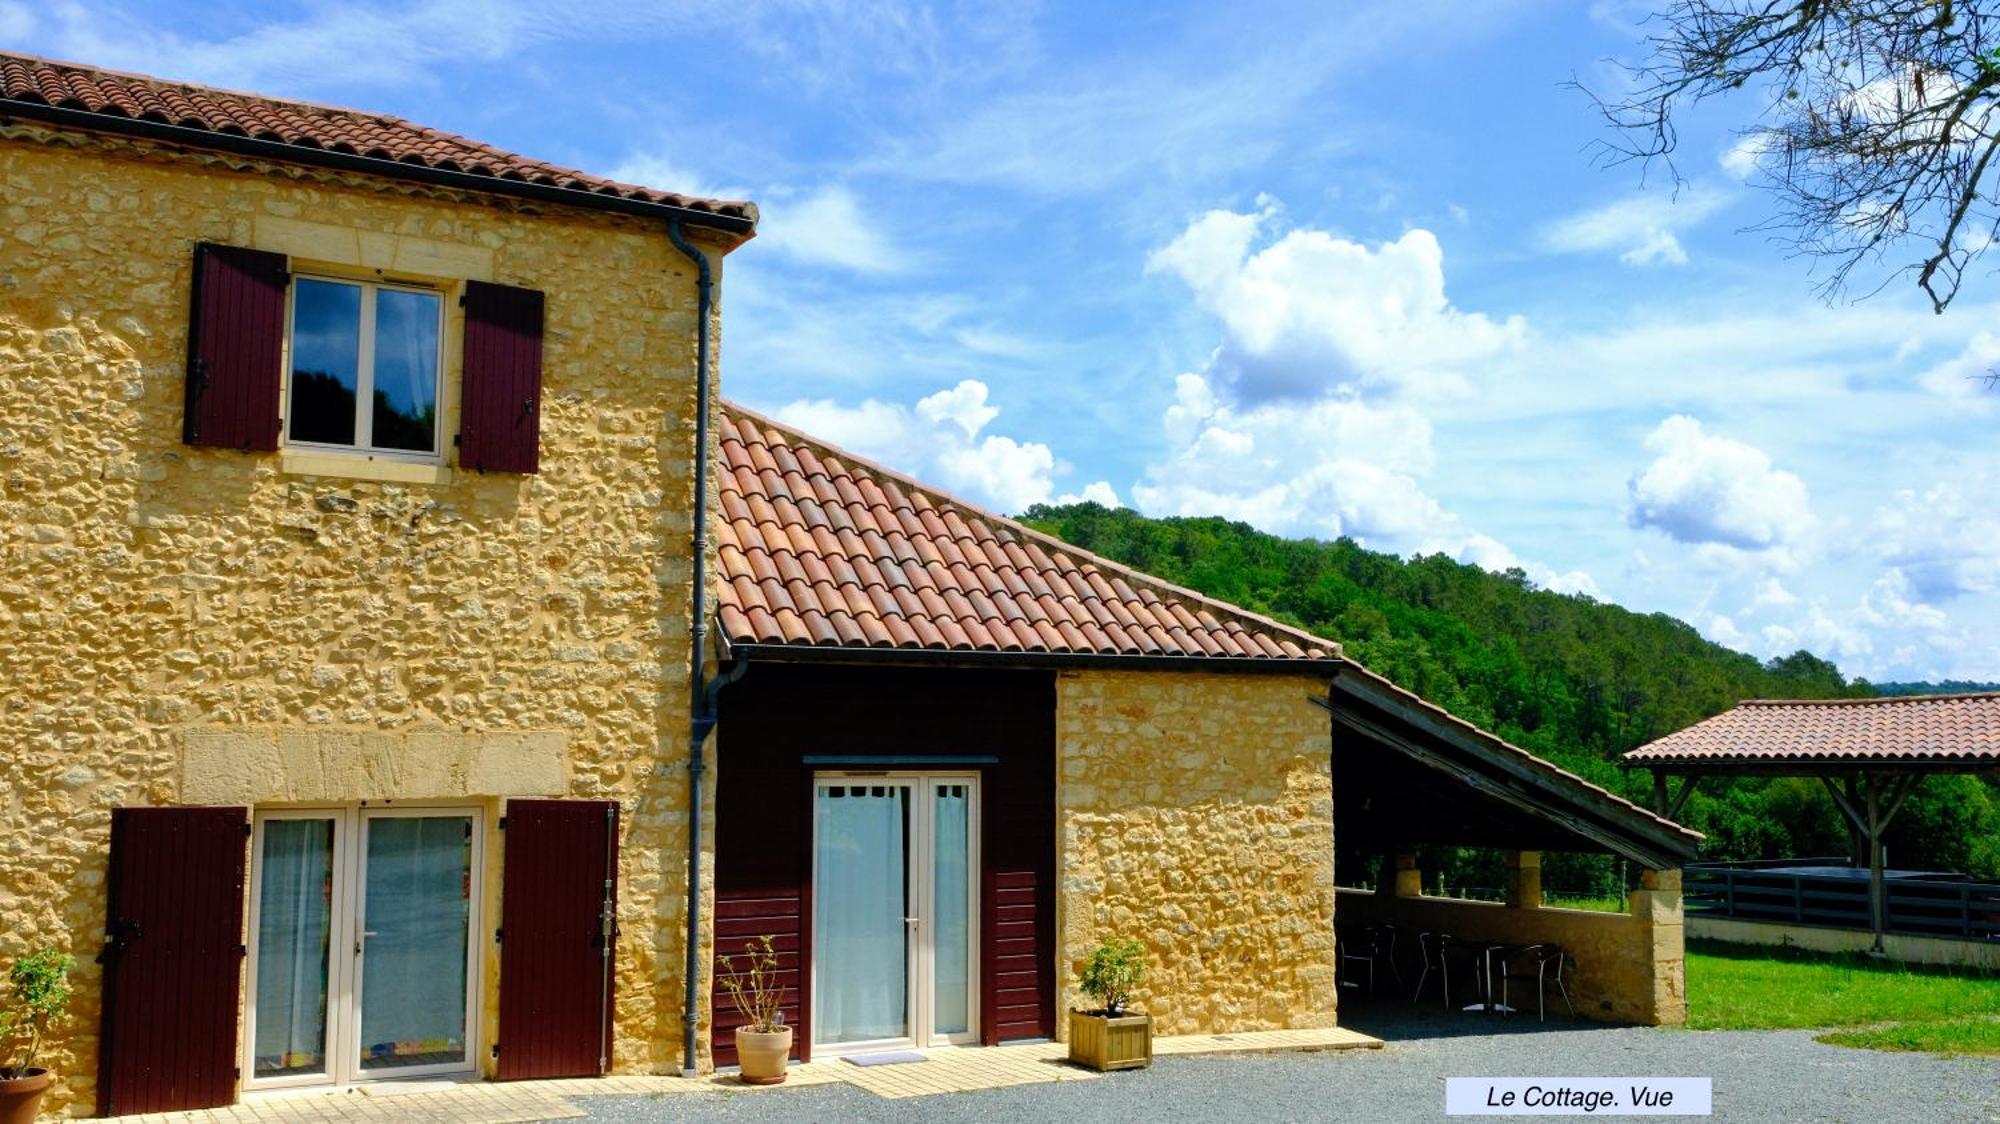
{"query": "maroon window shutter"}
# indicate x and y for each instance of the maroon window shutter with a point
(172, 958)
(236, 348)
(500, 406)
(558, 909)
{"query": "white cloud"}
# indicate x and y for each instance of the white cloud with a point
(1642, 230)
(1311, 313)
(1097, 492)
(828, 227)
(1744, 158)
(1705, 489)
(1772, 593)
(1946, 540)
(651, 169)
(1338, 466)
(964, 405)
(1890, 626)
(1968, 378)
(404, 44)
(938, 442)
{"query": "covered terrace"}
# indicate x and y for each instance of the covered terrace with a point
(1407, 775)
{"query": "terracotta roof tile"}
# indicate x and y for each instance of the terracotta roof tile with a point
(305, 126)
(1906, 729)
(823, 548)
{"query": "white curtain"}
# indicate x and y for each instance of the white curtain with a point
(860, 951)
(951, 954)
(413, 974)
(294, 921)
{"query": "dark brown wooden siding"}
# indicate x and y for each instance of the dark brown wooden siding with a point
(236, 345)
(560, 870)
(778, 714)
(500, 408)
(173, 959)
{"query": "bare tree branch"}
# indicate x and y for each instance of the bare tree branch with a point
(1875, 130)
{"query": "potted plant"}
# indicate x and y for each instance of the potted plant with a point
(37, 994)
(1112, 1036)
(763, 1042)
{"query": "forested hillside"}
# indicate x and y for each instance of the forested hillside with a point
(1576, 680)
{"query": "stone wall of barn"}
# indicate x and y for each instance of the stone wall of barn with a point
(193, 625)
(1193, 813)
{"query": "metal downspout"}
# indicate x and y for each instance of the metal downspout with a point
(700, 699)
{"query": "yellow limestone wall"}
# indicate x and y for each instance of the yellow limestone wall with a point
(1193, 813)
(183, 625)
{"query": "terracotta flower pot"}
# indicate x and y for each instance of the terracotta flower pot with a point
(762, 1054)
(21, 1097)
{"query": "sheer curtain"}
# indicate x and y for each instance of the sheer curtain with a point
(294, 922)
(860, 949)
(413, 974)
(951, 953)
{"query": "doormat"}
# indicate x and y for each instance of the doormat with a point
(887, 1057)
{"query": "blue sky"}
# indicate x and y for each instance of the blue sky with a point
(1332, 269)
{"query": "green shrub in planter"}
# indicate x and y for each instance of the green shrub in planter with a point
(1111, 1037)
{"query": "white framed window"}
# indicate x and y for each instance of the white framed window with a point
(364, 952)
(366, 367)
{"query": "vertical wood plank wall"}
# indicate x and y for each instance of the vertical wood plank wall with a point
(778, 714)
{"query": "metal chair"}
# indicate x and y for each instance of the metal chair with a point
(1541, 963)
(1431, 947)
(1376, 943)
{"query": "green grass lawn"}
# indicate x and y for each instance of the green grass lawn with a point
(1950, 1037)
(1891, 1006)
(1578, 901)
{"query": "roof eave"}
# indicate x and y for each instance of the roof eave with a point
(1324, 668)
(1790, 766)
(1613, 822)
(742, 228)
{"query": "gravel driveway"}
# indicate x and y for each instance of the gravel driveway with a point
(1758, 1076)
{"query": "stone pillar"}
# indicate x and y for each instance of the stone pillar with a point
(1656, 909)
(1409, 880)
(1524, 880)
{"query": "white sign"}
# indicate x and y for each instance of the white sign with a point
(1576, 1096)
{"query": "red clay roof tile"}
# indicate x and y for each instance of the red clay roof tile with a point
(305, 126)
(879, 560)
(1906, 729)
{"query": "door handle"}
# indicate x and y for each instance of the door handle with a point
(363, 935)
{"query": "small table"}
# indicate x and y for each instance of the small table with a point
(1486, 955)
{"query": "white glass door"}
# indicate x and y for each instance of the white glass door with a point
(294, 916)
(413, 941)
(895, 890)
(362, 954)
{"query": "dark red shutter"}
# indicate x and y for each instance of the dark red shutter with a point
(559, 893)
(172, 959)
(500, 406)
(236, 348)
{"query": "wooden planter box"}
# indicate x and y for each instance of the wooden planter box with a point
(1105, 1043)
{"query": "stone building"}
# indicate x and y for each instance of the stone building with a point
(349, 474)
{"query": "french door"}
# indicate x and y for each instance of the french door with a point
(895, 902)
(363, 962)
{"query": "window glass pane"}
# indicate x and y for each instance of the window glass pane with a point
(294, 922)
(326, 358)
(860, 944)
(406, 365)
(951, 974)
(418, 909)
